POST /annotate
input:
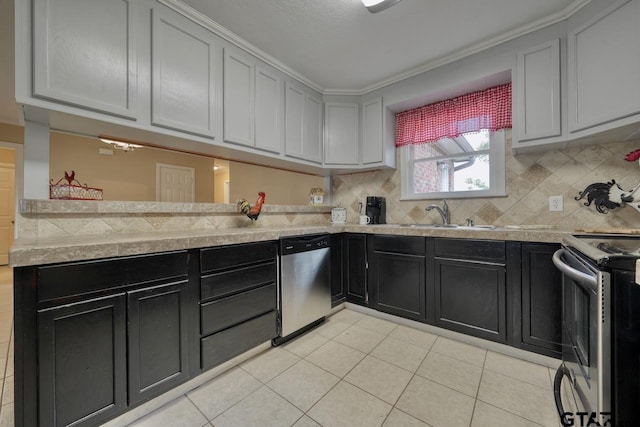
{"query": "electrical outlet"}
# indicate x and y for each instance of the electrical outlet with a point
(556, 204)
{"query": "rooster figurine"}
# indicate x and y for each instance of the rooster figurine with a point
(610, 195)
(248, 210)
(70, 178)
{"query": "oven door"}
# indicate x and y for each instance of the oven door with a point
(585, 331)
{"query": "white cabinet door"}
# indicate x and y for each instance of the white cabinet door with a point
(239, 71)
(341, 134)
(312, 129)
(303, 124)
(85, 54)
(183, 74)
(294, 113)
(604, 67)
(268, 111)
(538, 92)
(372, 140)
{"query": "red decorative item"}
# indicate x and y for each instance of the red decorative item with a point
(252, 211)
(487, 109)
(633, 156)
(71, 191)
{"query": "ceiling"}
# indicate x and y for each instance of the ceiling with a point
(339, 47)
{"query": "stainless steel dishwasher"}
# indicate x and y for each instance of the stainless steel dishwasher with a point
(304, 295)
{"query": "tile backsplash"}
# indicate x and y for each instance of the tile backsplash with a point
(531, 179)
(41, 219)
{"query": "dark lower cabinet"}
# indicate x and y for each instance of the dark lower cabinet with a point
(238, 300)
(338, 291)
(397, 275)
(158, 341)
(108, 334)
(538, 300)
(355, 268)
(82, 362)
(470, 292)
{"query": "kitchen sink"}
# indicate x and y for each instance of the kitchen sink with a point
(460, 227)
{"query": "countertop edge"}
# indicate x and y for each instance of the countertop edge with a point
(68, 249)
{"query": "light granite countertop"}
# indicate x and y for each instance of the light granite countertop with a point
(55, 250)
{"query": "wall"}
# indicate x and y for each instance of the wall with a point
(11, 133)
(281, 187)
(125, 175)
(531, 179)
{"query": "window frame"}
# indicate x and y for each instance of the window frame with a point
(497, 173)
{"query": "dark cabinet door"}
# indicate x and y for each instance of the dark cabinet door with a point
(470, 297)
(82, 362)
(338, 293)
(355, 263)
(398, 284)
(158, 341)
(397, 268)
(540, 300)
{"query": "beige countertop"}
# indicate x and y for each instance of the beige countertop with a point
(64, 249)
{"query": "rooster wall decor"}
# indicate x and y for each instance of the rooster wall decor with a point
(252, 212)
(610, 195)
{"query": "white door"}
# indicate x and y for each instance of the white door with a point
(175, 183)
(7, 209)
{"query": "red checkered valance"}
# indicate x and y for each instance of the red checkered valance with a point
(487, 109)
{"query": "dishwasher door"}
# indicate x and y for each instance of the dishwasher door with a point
(305, 282)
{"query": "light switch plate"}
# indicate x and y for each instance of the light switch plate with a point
(556, 204)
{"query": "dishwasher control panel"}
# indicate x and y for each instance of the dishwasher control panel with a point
(295, 244)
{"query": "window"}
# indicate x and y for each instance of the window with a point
(469, 165)
(455, 148)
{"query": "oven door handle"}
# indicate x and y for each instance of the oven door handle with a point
(557, 394)
(579, 276)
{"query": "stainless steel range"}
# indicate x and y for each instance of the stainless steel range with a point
(601, 329)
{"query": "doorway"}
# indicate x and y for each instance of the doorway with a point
(8, 165)
(175, 183)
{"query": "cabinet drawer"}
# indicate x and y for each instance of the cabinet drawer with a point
(218, 348)
(403, 245)
(225, 257)
(220, 314)
(63, 280)
(230, 282)
(471, 250)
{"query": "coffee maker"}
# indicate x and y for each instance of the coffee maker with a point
(377, 209)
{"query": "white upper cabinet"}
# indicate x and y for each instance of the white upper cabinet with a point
(341, 134)
(183, 74)
(252, 103)
(604, 69)
(372, 137)
(303, 124)
(239, 93)
(538, 108)
(85, 54)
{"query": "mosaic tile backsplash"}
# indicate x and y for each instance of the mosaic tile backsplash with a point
(531, 179)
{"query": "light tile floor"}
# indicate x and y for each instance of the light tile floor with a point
(354, 370)
(358, 370)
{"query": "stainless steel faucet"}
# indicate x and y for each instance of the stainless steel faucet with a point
(443, 211)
